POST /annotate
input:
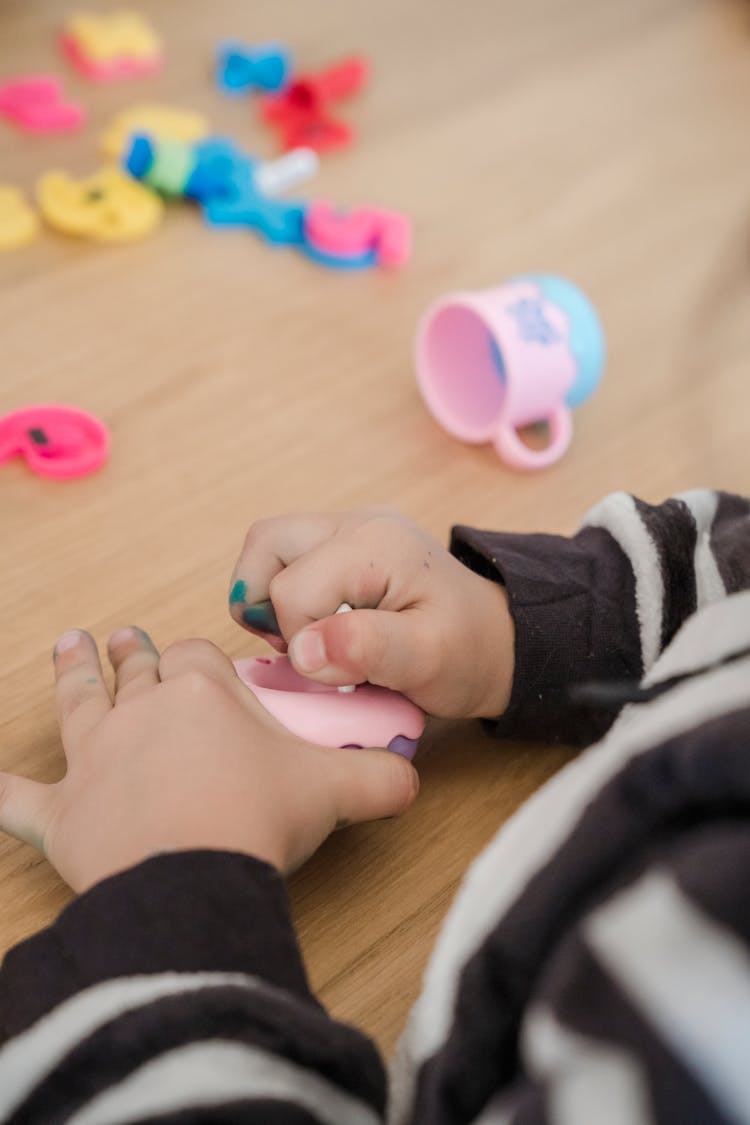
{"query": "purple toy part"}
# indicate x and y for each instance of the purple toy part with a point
(406, 747)
(59, 442)
(36, 103)
(370, 716)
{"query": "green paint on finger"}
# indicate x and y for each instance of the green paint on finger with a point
(261, 616)
(238, 592)
(145, 637)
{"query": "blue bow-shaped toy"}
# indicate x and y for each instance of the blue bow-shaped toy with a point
(241, 68)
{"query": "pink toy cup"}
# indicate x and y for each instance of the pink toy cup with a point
(493, 361)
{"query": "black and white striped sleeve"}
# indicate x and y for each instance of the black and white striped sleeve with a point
(175, 992)
(595, 964)
(603, 604)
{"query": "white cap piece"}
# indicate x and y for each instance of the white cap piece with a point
(345, 608)
(272, 177)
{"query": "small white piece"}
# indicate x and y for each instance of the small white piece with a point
(345, 608)
(273, 177)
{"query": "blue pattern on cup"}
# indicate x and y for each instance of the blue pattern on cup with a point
(586, 336)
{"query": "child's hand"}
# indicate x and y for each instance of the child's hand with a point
(423, 624)
(185, 758)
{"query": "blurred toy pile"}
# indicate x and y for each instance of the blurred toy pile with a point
(160, 152)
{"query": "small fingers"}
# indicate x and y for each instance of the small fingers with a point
(81, 694)
(25, 808)
(260, 618)
(270, 546)
(314, 586)
(197, 655)
(395, 650)
(372, 784)
(375, 560)
(135, 660)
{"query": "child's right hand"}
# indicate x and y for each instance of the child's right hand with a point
(423, 623)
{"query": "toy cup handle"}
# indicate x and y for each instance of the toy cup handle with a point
(516, 453)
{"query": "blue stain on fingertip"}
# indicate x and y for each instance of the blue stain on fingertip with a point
(261, 616)
(238, 593)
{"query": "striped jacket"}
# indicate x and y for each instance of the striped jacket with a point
(594, 968)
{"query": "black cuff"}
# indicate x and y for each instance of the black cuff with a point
(573, 606)
(177, 912)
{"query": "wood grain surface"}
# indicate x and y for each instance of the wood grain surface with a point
(603, 140)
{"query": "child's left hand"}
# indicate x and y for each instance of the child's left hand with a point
(185, 757)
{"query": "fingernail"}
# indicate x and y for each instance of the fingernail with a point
(262, 616)
(145, 636)
(121, 637)
(67, 641)
(308, 651)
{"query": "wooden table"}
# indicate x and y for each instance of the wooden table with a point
(605, 141)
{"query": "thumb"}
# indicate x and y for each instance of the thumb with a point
(25, 808)
(380, 646)
(372, 784)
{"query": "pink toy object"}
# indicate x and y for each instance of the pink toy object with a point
(301, 111)
(347, 235)
(369, 716)
(60, 442)
(491, 362)
(37, 104)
